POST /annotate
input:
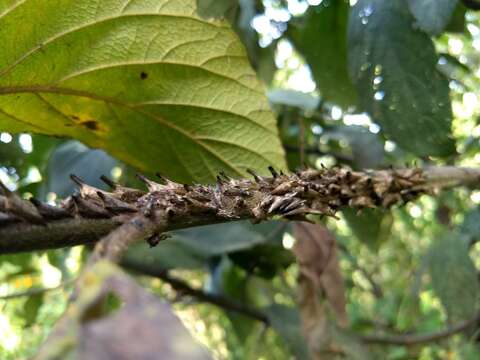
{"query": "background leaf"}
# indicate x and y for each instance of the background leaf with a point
(370, 226)
(454, 277)
(132, 80)
(432, 15)
(73, 157)
(320, 35)
(401, 89)
(286, 321)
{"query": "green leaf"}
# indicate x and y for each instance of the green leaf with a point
(320, 35)
(368, 151)
(393, 65)
(229, 281)
(371, 226)
(286, 322)
(148, 81)
(31, 308)
(192, 248)
(432, 15)
(470, 227)
(216, 8)
(457, 20)
(453, 276)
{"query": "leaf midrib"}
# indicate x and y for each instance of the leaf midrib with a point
(86, 94)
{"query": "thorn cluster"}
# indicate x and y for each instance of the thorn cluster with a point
(292, 196)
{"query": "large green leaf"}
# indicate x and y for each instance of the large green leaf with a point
(432, 15)
(393, 65)
(454, 277)
(149, 81)
(321, 36)
(287, 323)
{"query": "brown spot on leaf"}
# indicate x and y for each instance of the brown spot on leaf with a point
(143, 75)
(91, 124)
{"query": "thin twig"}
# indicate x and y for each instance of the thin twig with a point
(35, 291)
(375, 288)
(228, 304)
(301, 140)
(184, 288)
(413, 339)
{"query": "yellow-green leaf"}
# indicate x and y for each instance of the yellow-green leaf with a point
(148, 80)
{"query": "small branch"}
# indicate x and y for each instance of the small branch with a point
(24, 237)
(301, 140)
(184, 288)
(230, 305)
(414, 339)
(35, 291)
(375, 288)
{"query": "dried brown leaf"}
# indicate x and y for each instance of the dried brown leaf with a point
(321, 286)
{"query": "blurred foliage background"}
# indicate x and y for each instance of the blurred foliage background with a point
(365, 84)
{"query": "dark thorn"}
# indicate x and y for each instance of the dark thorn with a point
(109, 182)
(142, 178)
(156, 238)
(293, 205)
(89, 209)
(161, 177)
(278, 203)
(151, 185)
(296, 211)
(272, 171)
(49, 211)
(115, 205)
(225, 176)
(77, 180)
(281, 173)
(170, 212)
(254, 174)
(153, 240)
(4, 190)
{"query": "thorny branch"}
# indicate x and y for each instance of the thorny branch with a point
(126, 215)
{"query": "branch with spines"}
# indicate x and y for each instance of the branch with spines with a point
(126, 215)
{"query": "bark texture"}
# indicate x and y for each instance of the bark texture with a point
(124, 215)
